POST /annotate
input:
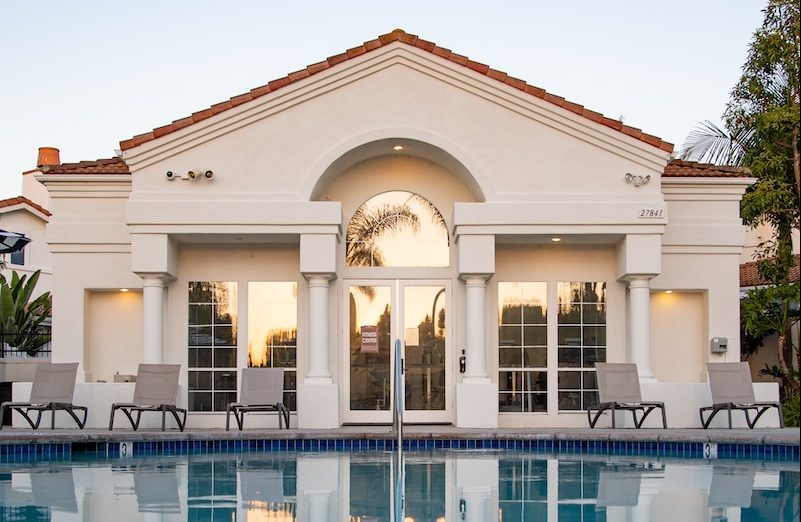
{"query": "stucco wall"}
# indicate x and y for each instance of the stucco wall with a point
(678, 336)
(113, 334)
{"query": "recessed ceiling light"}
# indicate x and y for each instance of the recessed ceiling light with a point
(123, 289)
(556, 239)
(668, 291)
(398, 147)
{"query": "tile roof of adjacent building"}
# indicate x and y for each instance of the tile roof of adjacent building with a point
(100, 166)
(22, 200)
(682, 169)
(749, 274)
(398, 35)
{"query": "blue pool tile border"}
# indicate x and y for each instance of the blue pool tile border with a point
(12, 453)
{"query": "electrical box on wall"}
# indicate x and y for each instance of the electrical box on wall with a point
(719, 344)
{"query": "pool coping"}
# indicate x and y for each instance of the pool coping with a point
(786, 436)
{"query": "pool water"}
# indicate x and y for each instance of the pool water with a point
(370, 486)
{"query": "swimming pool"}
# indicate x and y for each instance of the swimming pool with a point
(366, 486)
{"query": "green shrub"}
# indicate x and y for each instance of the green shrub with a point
(790, 408)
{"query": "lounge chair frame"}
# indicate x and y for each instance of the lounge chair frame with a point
(52, 390)
(619, 389)
(732, 389)
(262, 390)
(156, 390)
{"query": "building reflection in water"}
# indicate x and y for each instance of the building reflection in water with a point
(360, 487)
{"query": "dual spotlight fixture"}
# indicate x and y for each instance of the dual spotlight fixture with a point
(191, 174)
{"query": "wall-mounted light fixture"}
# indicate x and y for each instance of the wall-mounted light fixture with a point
(637, 180)
(191, 174)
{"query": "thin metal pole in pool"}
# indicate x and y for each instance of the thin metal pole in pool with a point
(397, 424)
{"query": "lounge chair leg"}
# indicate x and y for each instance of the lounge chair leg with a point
(664, 418)
(728, 407)
(613, 415)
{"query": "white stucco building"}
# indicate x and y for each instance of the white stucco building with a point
(397, 191)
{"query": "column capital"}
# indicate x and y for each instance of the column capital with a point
(155, 278)
(639, 280)
(317, 278)
(475, 279)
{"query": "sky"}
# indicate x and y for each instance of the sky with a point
(84, 75)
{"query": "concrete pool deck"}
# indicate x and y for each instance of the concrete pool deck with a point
(783, 436)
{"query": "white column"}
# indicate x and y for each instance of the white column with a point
(153, 318)
(475, 329)
(639, 319)
(318, 329)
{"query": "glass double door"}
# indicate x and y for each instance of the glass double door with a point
(379, 314)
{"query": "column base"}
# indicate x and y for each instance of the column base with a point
(318, 405)
(477, 404)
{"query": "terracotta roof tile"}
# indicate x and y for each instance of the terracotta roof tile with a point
(22, 200)
(691, 169)
(398, 35)
(749, 274)
(101, 166)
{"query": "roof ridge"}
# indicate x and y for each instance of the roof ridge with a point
(397, 35)
(709, 166)
(115, 165)
(18, 200)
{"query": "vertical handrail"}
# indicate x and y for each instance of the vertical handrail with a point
(397, 424)
(397, 406)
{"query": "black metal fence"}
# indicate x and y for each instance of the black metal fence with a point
(9, 343)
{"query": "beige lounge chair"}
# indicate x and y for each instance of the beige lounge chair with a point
(262, 390)
(731, 387)
(619, 389)
(52, 390)
(156, 390)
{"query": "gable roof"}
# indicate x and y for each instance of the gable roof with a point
(22, 200)
(677, 168)
(100, 166)
(398, 35)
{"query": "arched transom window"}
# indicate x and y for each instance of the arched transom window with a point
(396, 229)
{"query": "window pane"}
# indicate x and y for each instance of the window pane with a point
(199, 314)
(200, 336)
(594, 313)
(225, 358)
(535, 402)
(200, 357)
(535, 357)
(569, 380)
(417, 234)
(594, 336)
(200, 380)
(535, 335)
(510, 358)
(224, 336)
(569, 336)
(510, 403)
(200, 401)
(570, 314)
(538, 381)
(225, 381)
(510, 336)
(569, 357)
(222, 399)
(569, 400)
(593, 355)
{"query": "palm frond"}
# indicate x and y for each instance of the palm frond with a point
(708, 143)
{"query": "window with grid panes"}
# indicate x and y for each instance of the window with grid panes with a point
(212, 345)
(273, 331)
(581, 342)
(522, 347)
